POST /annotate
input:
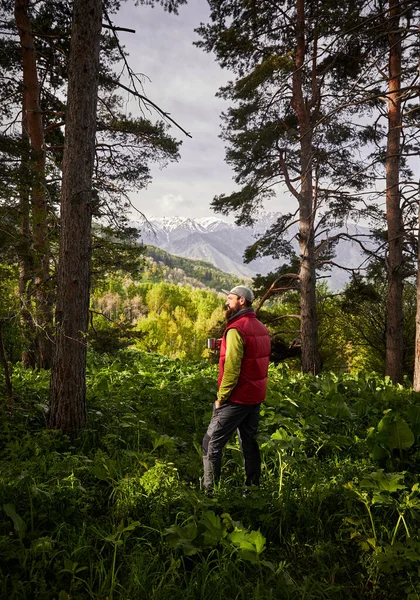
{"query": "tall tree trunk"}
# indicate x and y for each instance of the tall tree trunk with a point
(394, 334)
(25, 255)
(33, 118)
(6, 369)
(68, 375)
(311, 362)
(416, 379)
(309, 327)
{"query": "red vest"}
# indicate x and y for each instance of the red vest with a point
(252, 383)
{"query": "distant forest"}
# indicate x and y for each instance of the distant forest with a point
(197, 270)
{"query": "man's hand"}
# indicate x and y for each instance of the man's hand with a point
(217, 404)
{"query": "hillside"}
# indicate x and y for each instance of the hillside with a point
(197, 273)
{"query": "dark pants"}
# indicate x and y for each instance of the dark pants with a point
(225, 420)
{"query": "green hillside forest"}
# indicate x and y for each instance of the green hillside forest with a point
(178, 269)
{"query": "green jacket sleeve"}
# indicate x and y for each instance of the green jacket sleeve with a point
(232, 367)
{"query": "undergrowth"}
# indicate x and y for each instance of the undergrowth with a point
(117, 511)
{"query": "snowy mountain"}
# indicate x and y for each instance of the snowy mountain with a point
(223, 244)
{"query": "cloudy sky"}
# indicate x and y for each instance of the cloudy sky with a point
(183, 81)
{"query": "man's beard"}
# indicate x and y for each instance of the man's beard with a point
(229, 312)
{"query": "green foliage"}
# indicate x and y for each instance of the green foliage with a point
(117, 509)
(392, 433)
(115, 252)
(361, 319)
(145, 296)
(8, 300)
(210, 531)
(9, 312)
(351, 324)
(18, 523)
(167, 318)
(178, 320)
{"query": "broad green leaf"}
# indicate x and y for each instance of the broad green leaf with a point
(381, 481)
(257, 539)
(212, 521)
(182, 537)
(213, 529)
(18, 523)
(250, 544)
(399, 434)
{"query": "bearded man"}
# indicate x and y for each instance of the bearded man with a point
(243, 369)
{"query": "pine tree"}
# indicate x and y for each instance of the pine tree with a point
(68, 383)
(389, 85)
(68, 375)
(290, 124)
(125, 148)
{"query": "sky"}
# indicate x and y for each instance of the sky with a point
(183, 81)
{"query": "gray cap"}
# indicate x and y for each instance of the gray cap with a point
(241, 290)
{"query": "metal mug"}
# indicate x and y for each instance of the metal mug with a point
(214, 343)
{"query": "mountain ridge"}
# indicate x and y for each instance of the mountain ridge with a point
(222, 244)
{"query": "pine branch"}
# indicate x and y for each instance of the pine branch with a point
(272, 289)
(115, 28)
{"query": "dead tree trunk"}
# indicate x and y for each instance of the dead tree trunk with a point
(68, 376)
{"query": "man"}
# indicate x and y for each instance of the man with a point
(243, 369)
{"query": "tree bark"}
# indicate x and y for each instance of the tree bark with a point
(25, 255)
(416, 378)
(6, 368)
(309, 327)
(68, 376)
(32, 117)
(394, 336)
